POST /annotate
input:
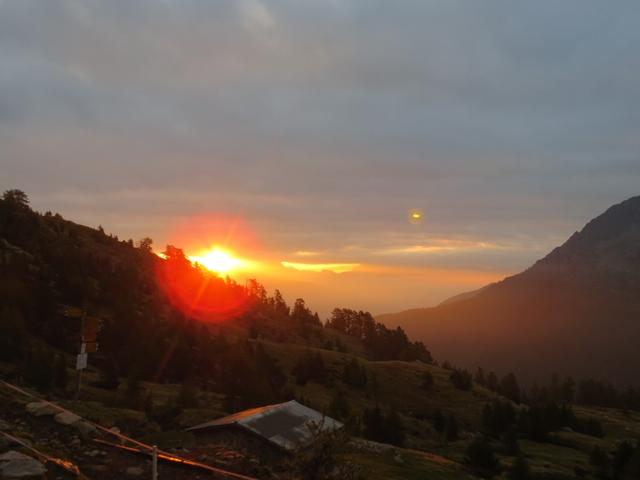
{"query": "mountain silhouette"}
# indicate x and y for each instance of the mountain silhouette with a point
(574, 312)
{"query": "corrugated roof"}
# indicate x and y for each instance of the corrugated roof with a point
(284, 424)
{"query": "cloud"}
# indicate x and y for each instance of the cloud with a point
(322, 123)
(321, 267)
(257, 15)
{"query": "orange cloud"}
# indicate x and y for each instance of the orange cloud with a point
(321, 267)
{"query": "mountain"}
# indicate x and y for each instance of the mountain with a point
(164, 363)
(462, 296)
(574, 312)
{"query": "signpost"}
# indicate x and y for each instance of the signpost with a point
(89, 327)
(81, 361)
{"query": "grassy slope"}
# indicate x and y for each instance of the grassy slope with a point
(399, 385)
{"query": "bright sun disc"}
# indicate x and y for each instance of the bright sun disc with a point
(217, 260)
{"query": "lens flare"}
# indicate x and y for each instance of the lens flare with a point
(217, 260)
(415, 216)
(198, 285)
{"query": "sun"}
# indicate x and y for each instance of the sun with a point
(217, 260)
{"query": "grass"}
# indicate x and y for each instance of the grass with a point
(399, 385)
(406, 465)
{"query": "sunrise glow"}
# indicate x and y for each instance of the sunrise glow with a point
(217, 260)
(321, 267)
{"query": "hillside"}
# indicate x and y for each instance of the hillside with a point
(165, 364)
(574, 312)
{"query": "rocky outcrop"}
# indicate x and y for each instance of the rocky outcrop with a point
(18, 465)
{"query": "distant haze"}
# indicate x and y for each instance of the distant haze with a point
(323, 125)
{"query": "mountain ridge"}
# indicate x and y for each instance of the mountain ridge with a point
(560, 314)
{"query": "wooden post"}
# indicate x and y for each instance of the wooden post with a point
(154, 463)
(81, 351)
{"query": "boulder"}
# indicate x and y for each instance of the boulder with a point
(18, 465)
(134, 471)
(40, 409)
(85, 428)
(13, 455)
(66, 418)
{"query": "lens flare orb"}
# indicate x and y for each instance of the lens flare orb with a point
(416, 216)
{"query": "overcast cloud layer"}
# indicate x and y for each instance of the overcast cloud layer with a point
(510, 124)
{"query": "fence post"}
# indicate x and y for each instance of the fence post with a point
(154, 463)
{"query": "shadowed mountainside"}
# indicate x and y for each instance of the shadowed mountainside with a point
(576, 311)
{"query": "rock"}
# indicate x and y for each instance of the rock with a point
(97, 468)
(13, 455)
(4, 425)
(17, 465)
(40, 409)
(66, 418)
(134, 471)
(94, 453)
(85, 428)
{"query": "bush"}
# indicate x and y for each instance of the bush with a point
(310, 368)
(383, 428)
(481, 458)
(354, 374)
(461, 379)
(427, 382)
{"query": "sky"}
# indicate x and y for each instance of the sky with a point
(320, 125)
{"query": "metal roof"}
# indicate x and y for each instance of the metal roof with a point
(287, 425)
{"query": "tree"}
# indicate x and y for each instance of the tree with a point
(339, 407)
(621, 456)
(145, 244)
(427, 382)
(461, 379)
(383, 428)
(510, 442)
(519, 470)
(16, 198)
(301, 315)
(354, 374)
(394, 428)
(310, 368)
(509, 387)
(173, 253)
(438, 421)
(451, 431)
(492, 382)
(480, 378)
(372, 421)
(324, 459)
(481, 458)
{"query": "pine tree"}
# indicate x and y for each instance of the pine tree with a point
(339, 407)
(438, 421)
(451, 431)
(481, 458)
